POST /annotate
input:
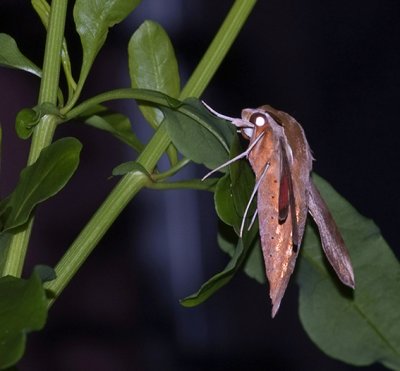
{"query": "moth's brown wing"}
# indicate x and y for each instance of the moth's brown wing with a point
(276, 237)
(287, 189)
(332, 241)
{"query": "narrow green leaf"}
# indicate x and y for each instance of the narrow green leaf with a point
(4, 247)
(129, 167)
(198, 134)
(254, 263)
(217, 281)
(360, 327)
(43, 179)
(23, 309)
(93, 18)
(153, 65)
(10, 56)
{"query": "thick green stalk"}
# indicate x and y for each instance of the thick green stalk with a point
(95, 229)
(131, 183)
(44, 131)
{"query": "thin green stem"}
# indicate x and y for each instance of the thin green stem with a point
(172, 170)
(44, 131)
(131, 183)
(207, 185)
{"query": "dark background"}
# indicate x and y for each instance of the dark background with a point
(333, 65)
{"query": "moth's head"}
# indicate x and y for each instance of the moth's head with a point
(253, 121)
(258, 120)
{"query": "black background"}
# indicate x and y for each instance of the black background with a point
(333, 65)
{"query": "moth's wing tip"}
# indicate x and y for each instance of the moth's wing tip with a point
(348, 280)
(275, 308)
(276, 303)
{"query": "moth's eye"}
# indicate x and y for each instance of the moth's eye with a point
(258, 119)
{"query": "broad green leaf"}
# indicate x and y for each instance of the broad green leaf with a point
(23, 310)
(231, 198)
(199, 135)
(223, 200)
(153, 65)
(41, 180)
(242, 185)
(92, 19)
(115, 123)
(10, 56)
(360, 327)
(232, 195)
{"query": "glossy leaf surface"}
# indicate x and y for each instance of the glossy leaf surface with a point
(43, 179)
(153, 65)
(360, 327)
(93, 18)
(10, 56)
(199, 135)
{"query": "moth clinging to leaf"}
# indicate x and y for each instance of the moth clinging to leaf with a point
(281, 159)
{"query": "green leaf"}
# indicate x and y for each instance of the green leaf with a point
(240, 254)
(254, 263)
(25, 121)
(28, 118)
(242, 185)
(223, 200)
(129, 167)
(217, 281)
(41, 180)
(153, 65)
(4, 247)
(10, 56)
(115, 123)
(198, 134)
(92, 19)
(360, 327)
(23, 310)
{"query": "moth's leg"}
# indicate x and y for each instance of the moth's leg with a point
(239, 123)
(238, 157)
(252, 220)
(257, 185)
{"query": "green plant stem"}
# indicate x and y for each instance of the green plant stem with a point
(172, 170)
(44, 131)
(186, 184)
(131, 183)
(96, 228)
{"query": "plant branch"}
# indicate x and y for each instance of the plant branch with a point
(44, 131)
(131, 183)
